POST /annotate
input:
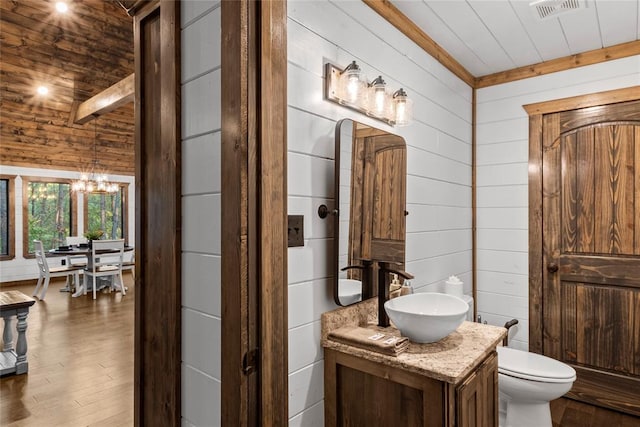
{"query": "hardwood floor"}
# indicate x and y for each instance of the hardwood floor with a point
(80, 354)
(81, 368)
(571, 413)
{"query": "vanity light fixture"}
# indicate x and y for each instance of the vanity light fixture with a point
(350, 89)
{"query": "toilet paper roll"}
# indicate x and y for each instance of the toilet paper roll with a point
(455, 289)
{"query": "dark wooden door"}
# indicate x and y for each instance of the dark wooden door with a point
(591, 250)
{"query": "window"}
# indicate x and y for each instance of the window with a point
(7, 217)
(48, 212)
(106, 212)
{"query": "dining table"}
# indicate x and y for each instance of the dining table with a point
(72, 251)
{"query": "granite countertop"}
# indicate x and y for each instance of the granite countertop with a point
(450, 359)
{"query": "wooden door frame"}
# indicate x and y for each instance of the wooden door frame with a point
(536, 113)
(254, 213)
(158, 351)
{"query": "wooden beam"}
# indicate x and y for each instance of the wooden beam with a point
(561, 64)
(106, 101)
(74, 111)
(132, 6)
(399, 20)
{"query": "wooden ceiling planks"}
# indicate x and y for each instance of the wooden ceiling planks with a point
(77, 55)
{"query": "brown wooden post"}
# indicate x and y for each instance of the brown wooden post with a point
(158, 214)
(254, 212)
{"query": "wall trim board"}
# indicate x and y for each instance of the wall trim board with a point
(474, 205)
(584, 101)
(560, 64)
(535, 233)
(536, 245)
(26, 282)
(406, 26)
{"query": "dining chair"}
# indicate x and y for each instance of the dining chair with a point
(105, 260)
(130, 265)
(46, 272)
(75, 260)
(76, 240)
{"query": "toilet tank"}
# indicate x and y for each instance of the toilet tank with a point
(469, 300)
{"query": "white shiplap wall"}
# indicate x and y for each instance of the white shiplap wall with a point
(502, 176)
(21, 268)
(438, 160)
(201, 313)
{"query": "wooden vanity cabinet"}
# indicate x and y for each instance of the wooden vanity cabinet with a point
(361, 392)
(477, 396)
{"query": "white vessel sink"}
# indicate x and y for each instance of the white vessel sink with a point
(426, 317)
(349, 291)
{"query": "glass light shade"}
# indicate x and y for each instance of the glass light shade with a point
(402, 108)
(351, 85)
(352, 88)
(379, 99)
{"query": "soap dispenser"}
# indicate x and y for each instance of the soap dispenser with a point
(406, 288)
(394, 287)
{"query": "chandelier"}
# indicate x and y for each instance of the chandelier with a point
(92, 181)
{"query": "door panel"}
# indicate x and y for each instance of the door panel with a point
(590, 338)
(591, 243)
(378, 232)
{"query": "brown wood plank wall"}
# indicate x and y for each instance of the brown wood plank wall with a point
(76, 55)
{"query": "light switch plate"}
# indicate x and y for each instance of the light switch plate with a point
(295, 230)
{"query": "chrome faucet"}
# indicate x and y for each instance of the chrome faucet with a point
(384, 269)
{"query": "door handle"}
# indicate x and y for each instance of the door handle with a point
(552, 267)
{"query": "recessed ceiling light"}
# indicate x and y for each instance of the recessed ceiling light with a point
(62, 7)
(43, 90)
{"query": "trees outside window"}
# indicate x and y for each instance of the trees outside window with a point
(48, 214)
(104, 211)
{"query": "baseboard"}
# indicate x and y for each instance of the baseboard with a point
(27, 282)
(32, 282)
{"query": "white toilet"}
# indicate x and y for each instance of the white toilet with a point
(527, 382)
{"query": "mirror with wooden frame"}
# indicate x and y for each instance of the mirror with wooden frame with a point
(370, 191)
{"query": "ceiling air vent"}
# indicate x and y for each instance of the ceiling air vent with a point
(546, 9)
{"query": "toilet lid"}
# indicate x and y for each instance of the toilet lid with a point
(532, 366)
